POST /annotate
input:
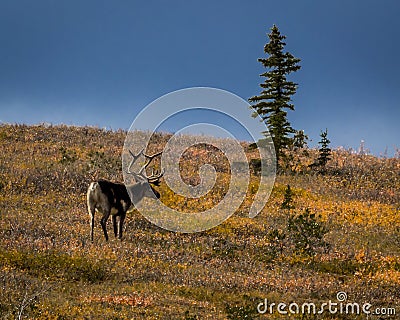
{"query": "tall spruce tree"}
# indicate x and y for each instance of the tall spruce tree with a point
(275, 98)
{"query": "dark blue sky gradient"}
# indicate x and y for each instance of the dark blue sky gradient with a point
(100, 62)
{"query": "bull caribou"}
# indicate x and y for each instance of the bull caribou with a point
(115, 198)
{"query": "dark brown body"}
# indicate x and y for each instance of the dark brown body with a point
(112, 198)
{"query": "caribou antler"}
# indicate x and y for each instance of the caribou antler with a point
(134, 158)
(155, 177)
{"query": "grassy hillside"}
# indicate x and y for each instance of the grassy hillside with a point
(342, 234)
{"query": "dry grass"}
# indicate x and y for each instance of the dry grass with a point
(50, 269)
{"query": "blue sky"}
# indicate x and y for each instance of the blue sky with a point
(89, 62)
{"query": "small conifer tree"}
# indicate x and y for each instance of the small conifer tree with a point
(324, 151)
(307, 231)
(288, 199)
(300, 140)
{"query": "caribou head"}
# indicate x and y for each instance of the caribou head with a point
(143, 186)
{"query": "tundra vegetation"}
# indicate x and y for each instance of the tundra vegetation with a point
(325, 233)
